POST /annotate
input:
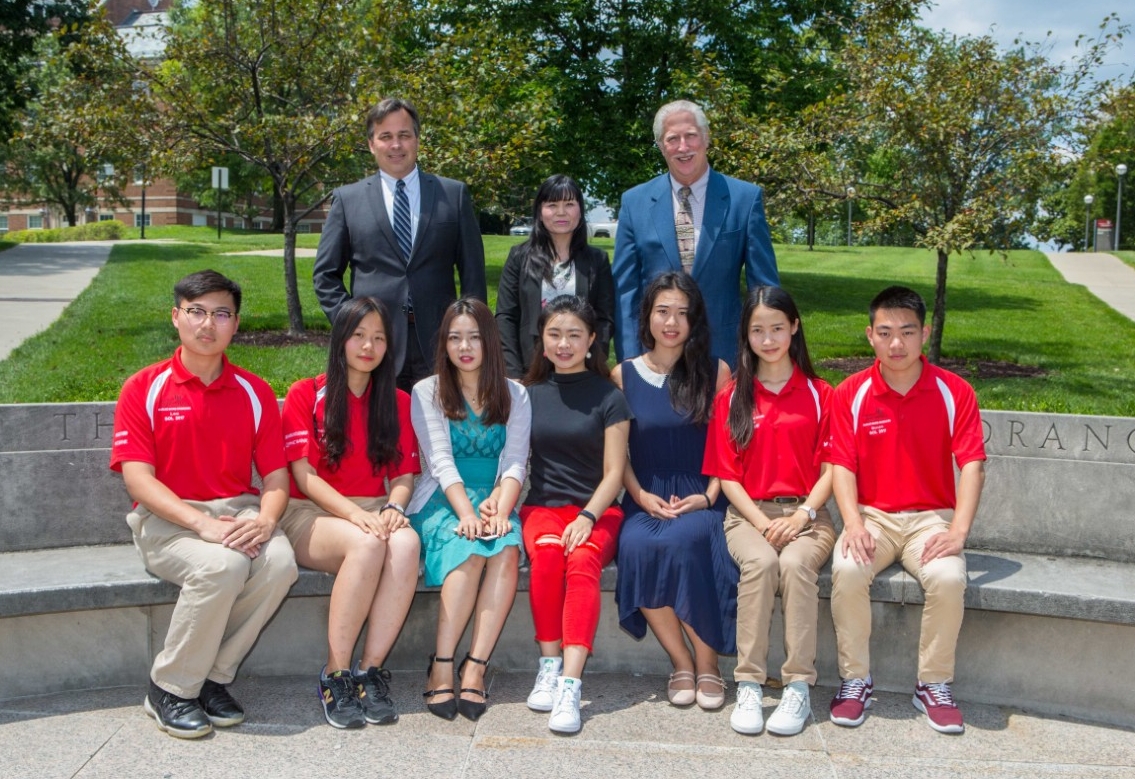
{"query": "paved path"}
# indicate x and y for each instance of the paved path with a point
(628, 731)
(1106, 276)
(38, 281)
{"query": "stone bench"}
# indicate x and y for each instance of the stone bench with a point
(1050, 623)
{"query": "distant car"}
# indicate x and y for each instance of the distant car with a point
(602, 229)
(521, 228)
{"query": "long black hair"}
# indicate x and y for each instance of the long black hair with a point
(693, 379)
(741, 406)
(539, 251)
(541, 366)
(382, 411)
(492, 386)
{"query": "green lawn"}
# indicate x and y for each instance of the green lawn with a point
(1016, 309)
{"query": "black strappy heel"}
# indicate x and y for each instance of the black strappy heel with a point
(472, 709)
(445, 709)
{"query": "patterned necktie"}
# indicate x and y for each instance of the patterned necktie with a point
(402, 220)
(684, 227)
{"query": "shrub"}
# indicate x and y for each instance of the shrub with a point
(111, 230)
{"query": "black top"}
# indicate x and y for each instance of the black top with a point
(570, 413)
(518, 305)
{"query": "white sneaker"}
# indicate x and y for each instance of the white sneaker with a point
(793, 711)
(565, 714)
(747, 716)
(543, 695)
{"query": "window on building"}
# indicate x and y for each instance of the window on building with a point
(35, 222)
(138, 220)
(3, 223)
(303, 227)
(106, 217)
(139, 174)
(200, 220)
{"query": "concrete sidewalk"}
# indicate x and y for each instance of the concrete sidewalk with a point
(38, 281)
(1105, 275)
(629, 730)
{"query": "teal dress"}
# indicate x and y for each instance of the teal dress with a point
(476, 453)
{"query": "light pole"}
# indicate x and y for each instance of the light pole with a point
(1087, 220)
(850, 197)
(1121, 171)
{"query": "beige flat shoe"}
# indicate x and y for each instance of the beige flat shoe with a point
(681, 697)
(710, 700)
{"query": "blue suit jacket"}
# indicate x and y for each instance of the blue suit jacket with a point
(734, 233)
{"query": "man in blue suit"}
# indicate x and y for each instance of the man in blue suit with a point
(694, 219)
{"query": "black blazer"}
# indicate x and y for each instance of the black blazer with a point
(518, 305)
(358, 234)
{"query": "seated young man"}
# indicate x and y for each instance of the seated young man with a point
(187, 432)
(897, 429)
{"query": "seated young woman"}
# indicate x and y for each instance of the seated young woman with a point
(570, 523)
(353, 456)
(675, 572)
(473, 424)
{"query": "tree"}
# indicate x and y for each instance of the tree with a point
(947, 135)
(612, 63)
(77, 140)
(22, 24)
(1105, 139)
(272, 82)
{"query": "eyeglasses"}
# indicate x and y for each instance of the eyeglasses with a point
(197, 315)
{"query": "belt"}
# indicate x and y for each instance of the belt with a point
(788, 500)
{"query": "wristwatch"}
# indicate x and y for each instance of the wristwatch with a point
(811, 512)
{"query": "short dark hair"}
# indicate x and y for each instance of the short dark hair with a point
(203, 282)
(389, 106)
(899, 297)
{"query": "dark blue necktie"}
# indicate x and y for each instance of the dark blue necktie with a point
(402, 220)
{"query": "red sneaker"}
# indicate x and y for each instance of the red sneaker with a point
(850, 704)
(936, 701)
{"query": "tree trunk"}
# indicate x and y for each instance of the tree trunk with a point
(938, 321)
(291, 289)
(280, 209)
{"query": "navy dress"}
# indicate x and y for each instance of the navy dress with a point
(684, 562)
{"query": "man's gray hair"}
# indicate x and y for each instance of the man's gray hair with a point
(675, 107)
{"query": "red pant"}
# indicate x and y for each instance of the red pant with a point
(563, 590)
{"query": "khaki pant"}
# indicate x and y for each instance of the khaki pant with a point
(793, 573)
(900, 537)
(226, 598)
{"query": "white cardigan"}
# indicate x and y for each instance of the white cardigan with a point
(432, 428)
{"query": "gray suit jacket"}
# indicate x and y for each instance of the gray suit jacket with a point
(358, 235)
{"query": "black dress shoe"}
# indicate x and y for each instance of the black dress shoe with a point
(220, 707)
(468, 709)
(179, 717)
(445, 709)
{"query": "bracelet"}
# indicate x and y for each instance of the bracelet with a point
(392, 505)
(588, 514)
(708, 502)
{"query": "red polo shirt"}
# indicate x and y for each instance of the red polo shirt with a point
(902, 448)
(790, 437)
(355, 478)
(202, 440)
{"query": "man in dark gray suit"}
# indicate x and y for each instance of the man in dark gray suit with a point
(402, 232)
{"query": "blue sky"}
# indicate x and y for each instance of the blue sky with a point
(1008, 19)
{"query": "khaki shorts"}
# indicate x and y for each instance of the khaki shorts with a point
(302, 513)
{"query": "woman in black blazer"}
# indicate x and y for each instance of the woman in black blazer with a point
(555, 260)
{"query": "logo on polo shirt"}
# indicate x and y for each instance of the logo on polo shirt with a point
(876, 420)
